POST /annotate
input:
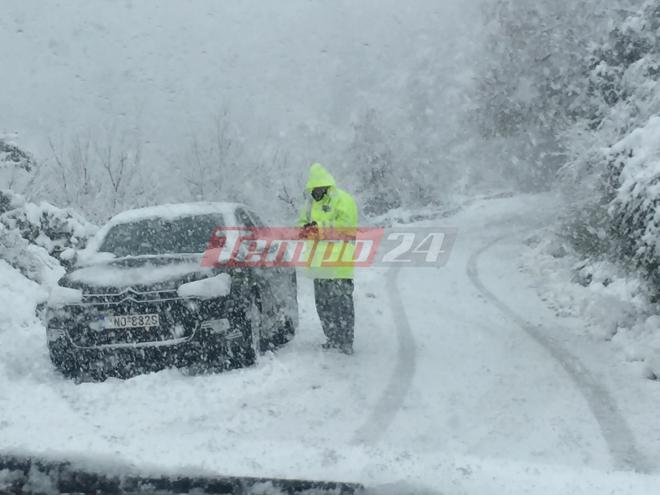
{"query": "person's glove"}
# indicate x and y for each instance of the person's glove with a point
(309, 231)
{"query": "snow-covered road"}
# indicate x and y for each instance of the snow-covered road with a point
(463, 381)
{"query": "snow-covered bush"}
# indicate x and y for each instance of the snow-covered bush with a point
(17, 166)
(613, 176)
(45, 225)
(35, 238)
(32, 261)
(13, 156)
(635, 210)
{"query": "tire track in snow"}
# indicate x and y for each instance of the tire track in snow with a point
(400, 381)
(614, 428)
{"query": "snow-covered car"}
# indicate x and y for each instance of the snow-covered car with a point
(138, 298)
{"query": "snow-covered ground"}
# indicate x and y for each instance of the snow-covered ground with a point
(605, 301)
(464, 381)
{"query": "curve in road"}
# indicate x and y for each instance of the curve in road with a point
(616, 432)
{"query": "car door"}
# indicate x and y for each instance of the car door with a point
(282, 280)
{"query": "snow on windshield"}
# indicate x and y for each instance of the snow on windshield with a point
(153, 236)
(150, 227)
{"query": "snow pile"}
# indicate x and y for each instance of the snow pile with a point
(31, 260)
(23, 352)
(614, 305)
(35, 238)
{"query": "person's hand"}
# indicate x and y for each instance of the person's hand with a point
(309, 230)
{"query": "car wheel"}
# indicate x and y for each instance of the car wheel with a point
(63, 360)
(285, 332)
(253, 342)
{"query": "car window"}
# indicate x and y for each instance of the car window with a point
(156, 236)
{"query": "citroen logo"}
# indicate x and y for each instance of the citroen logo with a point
(127, 290)
(129, 295)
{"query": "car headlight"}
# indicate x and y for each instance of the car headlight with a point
(62, 296)
(208, 288)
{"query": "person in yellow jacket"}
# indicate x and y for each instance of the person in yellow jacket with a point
(331, 213)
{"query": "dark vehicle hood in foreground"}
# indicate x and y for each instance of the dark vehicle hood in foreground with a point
(25, 474)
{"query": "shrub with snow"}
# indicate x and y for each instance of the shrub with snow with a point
(614, 174)
(34, 238)
(634, 213)
(11, 156)
(45, 225)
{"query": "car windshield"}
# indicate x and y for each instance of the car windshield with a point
(157, 236)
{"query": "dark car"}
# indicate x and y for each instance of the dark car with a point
(139, 299)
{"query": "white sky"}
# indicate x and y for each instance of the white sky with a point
(166, 66)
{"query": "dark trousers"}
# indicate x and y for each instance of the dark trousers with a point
(334, 305)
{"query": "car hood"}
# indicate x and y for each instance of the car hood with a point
(146, 273)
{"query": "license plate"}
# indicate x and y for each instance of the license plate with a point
(131, 321)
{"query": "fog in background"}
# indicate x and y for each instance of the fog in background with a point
(284, 84)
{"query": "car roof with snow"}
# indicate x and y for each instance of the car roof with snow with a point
(177, 210)
(168, 212)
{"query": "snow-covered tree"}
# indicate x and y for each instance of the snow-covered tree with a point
(372, 156)
(531, 81)
(100, 174)
(212, 167)
(613, 174)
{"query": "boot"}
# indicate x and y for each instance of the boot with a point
(346, 349)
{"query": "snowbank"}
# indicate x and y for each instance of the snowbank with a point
(23, 352)
(615, 304)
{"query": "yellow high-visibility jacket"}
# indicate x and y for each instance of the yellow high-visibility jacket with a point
(337, 210)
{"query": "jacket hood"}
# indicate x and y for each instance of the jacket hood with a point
(319, 177)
